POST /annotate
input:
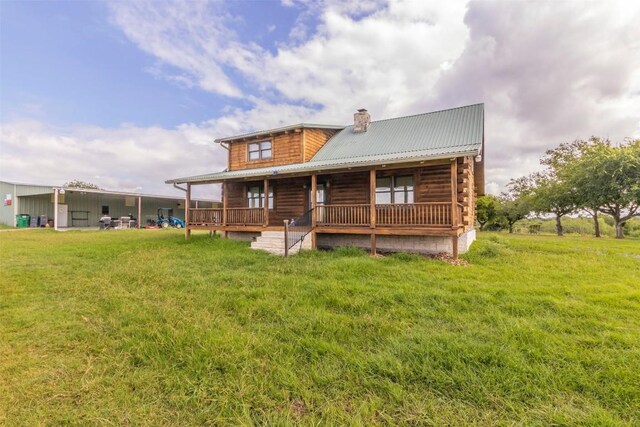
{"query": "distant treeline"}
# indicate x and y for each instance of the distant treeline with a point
(593, 177)
(570, 225)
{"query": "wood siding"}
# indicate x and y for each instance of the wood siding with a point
(347, 188)
(467, 191)
(296, 146)
(237, 197)
(314, 139)
(433, 184)
(290, 199)
(286, 149)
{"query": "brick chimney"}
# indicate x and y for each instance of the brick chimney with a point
(361, 121)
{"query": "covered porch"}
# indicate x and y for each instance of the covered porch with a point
(425, 199)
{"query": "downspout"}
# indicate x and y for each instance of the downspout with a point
(185, 201)
(179, 188)
(222, 145)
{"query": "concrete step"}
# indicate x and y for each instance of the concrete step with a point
(277, 250)
(273, 242)
(268, 248)
(273, 234)
(270, 239)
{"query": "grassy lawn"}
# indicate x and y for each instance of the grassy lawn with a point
(141, 327)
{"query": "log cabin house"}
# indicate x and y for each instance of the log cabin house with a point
(402, 184)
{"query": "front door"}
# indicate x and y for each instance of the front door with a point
(63, 213)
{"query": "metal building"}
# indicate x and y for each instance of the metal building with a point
(83, 207)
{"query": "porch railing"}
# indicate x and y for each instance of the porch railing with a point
(343, 215)
(235, 216)
(245, 216)
(434, 214)
(428, 214)
(205, 216)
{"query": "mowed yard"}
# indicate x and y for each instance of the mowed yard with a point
(145, 328)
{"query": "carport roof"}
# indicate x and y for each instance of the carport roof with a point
(36, 189)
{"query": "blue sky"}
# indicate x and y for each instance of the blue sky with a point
(127, 94)
(66, 63)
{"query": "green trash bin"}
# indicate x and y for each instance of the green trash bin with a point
(22, 220)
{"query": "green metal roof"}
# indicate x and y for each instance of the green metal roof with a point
(441, 134)
(450, 131)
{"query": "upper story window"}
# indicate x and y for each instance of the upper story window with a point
(260, 150)
(394, 189)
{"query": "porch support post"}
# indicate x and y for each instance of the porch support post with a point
(454, 194)
(454, 208)
(187, 206)
(224, 208)
(55, 209)
(372, 209)
(139, 211)
(314, 207)
(266, 202)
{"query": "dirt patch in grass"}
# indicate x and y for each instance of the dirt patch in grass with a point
(445, 257)
(298, 408)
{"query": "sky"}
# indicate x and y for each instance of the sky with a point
(128, 94)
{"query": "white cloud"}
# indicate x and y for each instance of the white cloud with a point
(385, 61)
(122, 158)
(190, 36)
(548, 72)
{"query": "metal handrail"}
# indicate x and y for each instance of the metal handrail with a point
(296, 230)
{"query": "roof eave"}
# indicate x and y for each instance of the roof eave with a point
(324, 168)
(267, 132)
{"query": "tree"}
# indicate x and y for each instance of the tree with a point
(486, 209)
(76, 183)
(515, 204)
(552, 194)
(557, 193)
(609, 177)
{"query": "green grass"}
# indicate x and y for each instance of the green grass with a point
(141, 327)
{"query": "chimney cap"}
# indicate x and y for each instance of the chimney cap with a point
(362, 110)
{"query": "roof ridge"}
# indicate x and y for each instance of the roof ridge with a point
(427, 113)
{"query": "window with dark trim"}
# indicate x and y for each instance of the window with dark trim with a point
(394, 189)
(260, 150)
(255, 197)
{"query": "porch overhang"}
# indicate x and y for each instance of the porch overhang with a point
(309, 168)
